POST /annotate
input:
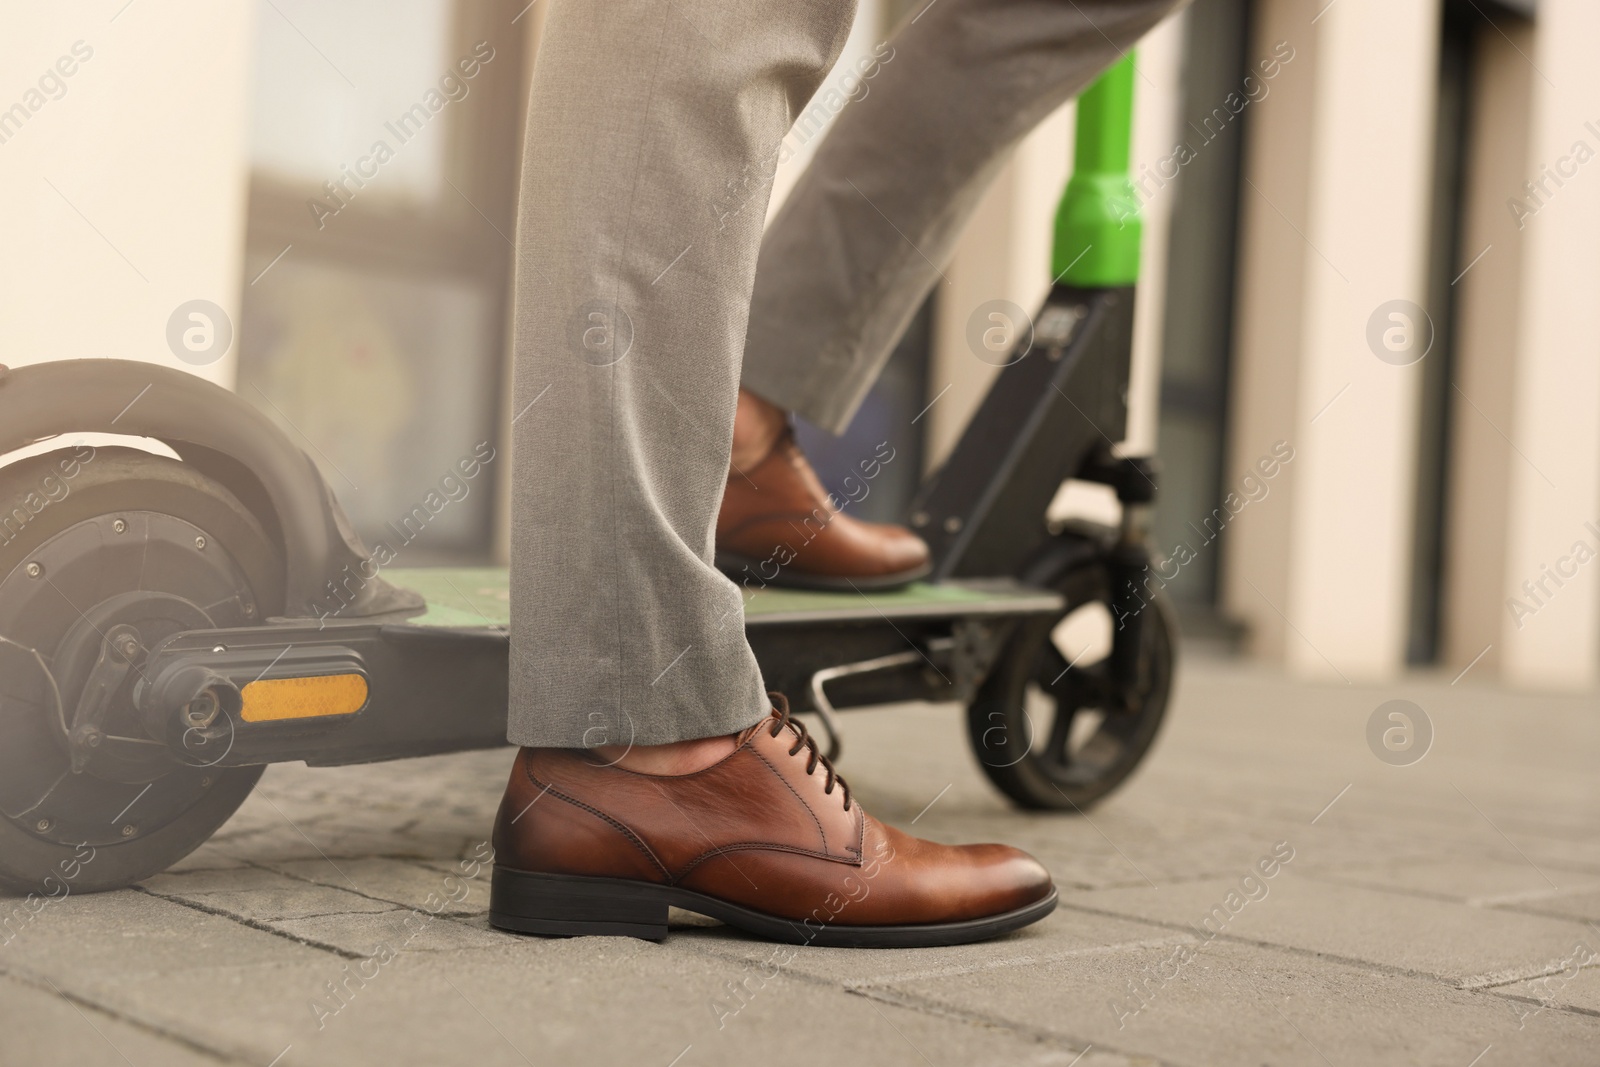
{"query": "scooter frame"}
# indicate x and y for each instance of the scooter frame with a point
(1051, 414)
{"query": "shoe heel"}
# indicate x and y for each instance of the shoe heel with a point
(571, 906)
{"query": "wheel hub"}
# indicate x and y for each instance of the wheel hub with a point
(97, 666)
(77, 619)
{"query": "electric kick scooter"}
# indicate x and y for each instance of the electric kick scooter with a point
(160, 641)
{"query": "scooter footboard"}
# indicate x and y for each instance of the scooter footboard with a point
(351, 693)
(358, 692)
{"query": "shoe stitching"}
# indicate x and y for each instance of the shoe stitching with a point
(637, 842)
(861, 822)
(809, 811)
(853, 854)
(763, 846)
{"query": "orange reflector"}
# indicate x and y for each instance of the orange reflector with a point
(304, 698)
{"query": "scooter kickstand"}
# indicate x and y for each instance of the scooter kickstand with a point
(824, 706)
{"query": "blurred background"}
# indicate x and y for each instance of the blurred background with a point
(1301, 164)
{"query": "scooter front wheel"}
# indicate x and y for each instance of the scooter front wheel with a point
(1057, 731)
(104, 553)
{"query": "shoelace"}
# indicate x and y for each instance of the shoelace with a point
(803, 739)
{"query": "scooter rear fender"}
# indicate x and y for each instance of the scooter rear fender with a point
(223, 437)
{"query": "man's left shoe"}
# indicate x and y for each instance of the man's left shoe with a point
(778, 526)
(769, 840)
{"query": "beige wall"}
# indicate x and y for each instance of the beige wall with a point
(1335, 224)
(1555, 480)
(1269, 313)
(1342, 199)
(126, 195)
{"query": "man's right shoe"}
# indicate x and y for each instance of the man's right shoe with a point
(768, 840)
(779, 526)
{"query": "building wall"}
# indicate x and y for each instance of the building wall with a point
(1335, 228)
(1269, 321)
(1554, 495)
(125, 184)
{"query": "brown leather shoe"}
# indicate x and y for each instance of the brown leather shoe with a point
(778, 526)
(767, 840)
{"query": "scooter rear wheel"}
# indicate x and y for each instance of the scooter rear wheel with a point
(1056, 735)
(97, 546)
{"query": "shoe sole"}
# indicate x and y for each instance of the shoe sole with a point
(564, 905)
(740, 567)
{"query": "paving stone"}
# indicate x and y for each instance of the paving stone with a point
(1562, 852)
(208, 857)
(446, 888)
(1401, 893)
(402, 930)
(262, 895)
(1452, 941)
(1484, 881)
(1584, 907)
(422, 809)
(1064, 935)
(133, 933)
(1563, 989)
(40, 1026)
(1238, 1004)
(578, 1001)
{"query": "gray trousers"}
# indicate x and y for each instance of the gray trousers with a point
(645, 294)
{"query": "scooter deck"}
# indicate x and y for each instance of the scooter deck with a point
(461, 598)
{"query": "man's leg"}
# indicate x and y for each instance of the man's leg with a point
(652, 138)
(852, 254)
(652, 135)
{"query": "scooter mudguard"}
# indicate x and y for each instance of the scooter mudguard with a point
(220, 435)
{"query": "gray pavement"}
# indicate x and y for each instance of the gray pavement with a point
(1442, 913)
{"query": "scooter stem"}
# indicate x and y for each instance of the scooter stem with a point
(1098, 225)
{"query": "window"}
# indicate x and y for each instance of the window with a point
(384, 148)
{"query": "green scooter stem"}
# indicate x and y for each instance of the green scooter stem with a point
(1097, 225)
